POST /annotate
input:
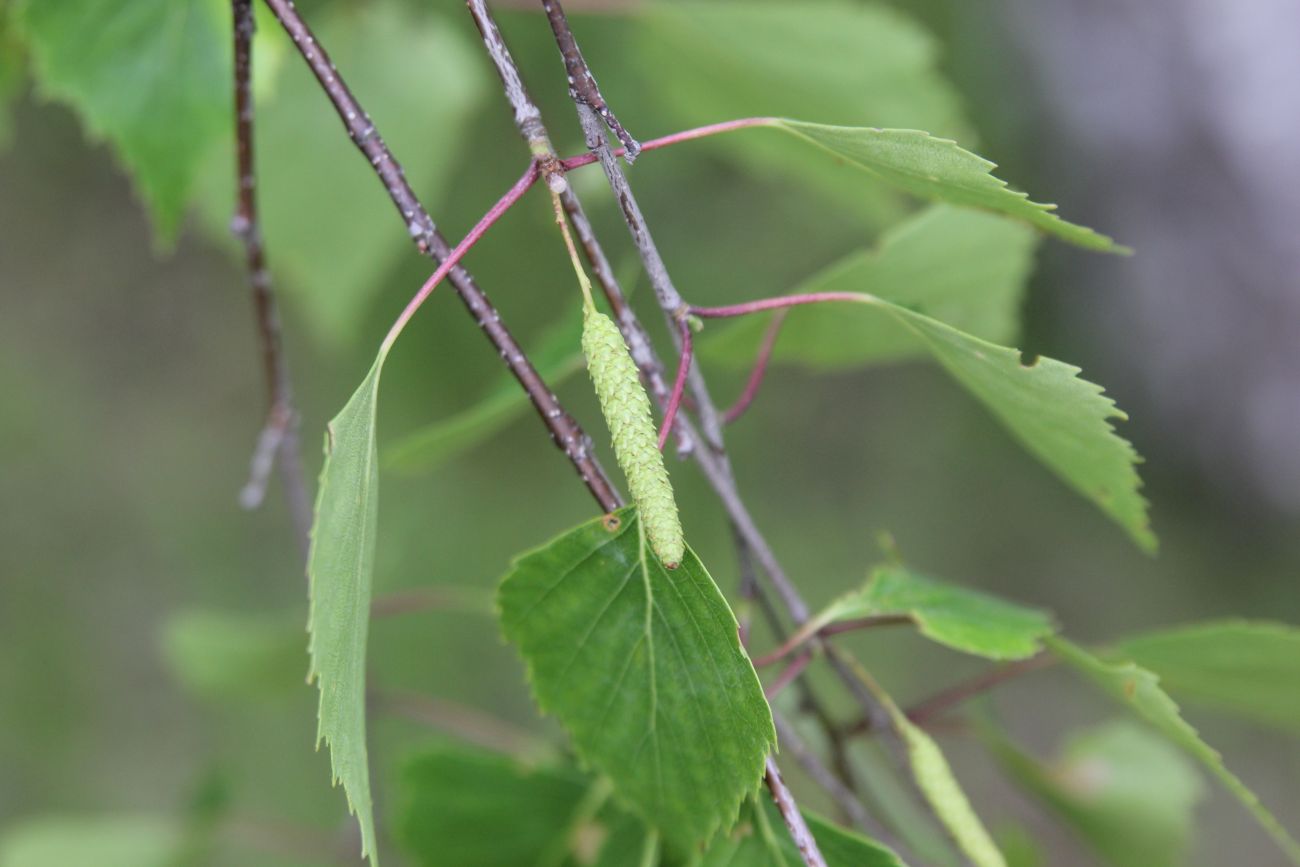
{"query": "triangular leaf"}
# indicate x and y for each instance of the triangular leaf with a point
(341, 567)
(963, 267)
(962, 619)
(644, 668)
(1125, 790)
(938, 169)
(150, 76)
(1140, 690)
(1251, 669)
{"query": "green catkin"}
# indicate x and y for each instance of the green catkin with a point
(631, 427)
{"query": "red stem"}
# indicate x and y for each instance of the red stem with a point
(737, 409)
(570, 163)
(787, 675)
(679, 385)
(799, 639)
(495, 213)
(776, 304)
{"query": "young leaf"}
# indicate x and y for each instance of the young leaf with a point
(330, 228)
(556, 359)
(1125, 790)
(963, 267)
(221, 655)
(1140, 690)
(150, 76)
(761, 839)
(938, 169)
(104, 841)
(1251, 669)
(645, 669)
(964, 620)
(340, 567)
(848, 63)
(464, 807)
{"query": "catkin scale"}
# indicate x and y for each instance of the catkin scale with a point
(626, 408)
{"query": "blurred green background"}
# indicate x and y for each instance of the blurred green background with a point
(131, 395)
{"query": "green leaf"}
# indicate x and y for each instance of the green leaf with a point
(221, 655)
(644, 668)
(944, 793)
(1250, 669)
(341, 567)
(152, 77)
(558, 357)
(1126, 791)
(1140, 690)
(935, 168)
(964, 620)
(330, 228)
(464, 807)
(12, 60)
(761, 839)
(104, 841)
(963, 267)
(849, 63)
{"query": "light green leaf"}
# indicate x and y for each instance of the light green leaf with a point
(558, 357)
(899, 808)
(464, 807)
(849, 63)
(104, 841)
(1127, 791)
(944, 793)
(761, 839)
(963, 267)
(1251, 669)
(935, 168)
(964, 620)
(341, 567)
(221, 655)
(330, 228)
(1140, 690)
(152, 77)
(644, 668)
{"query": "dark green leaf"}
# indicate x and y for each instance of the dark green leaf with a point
(102, 841)
(331, 231)
(341, 567)
(558, 357)
(1244, 668)
(1127, 791)
(962, 267)
(964, 620)
(1140, 690)
(644, 668)
(935, 168)
(152, 77)
(221, 655)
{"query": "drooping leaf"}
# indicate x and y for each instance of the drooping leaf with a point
(464, 807)
(150, 76)
(1140, 690)
(644, 668)
(1251, 669)
(221, 655)
(838, 62)
(938, 169)
(341, 566)
(330, 228)
(963, 267)
(761, 839)
(1124, 789)
(962, 619)
(104, 841)
(558, 357)
(899, 808)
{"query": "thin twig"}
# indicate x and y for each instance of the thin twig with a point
(679, 384)
(565, 431)
(787, 675)
(279, 435)
(928, 710)
(801, 638)
(582, 84)
(467, 723)
(803, 838)
(737, 409)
